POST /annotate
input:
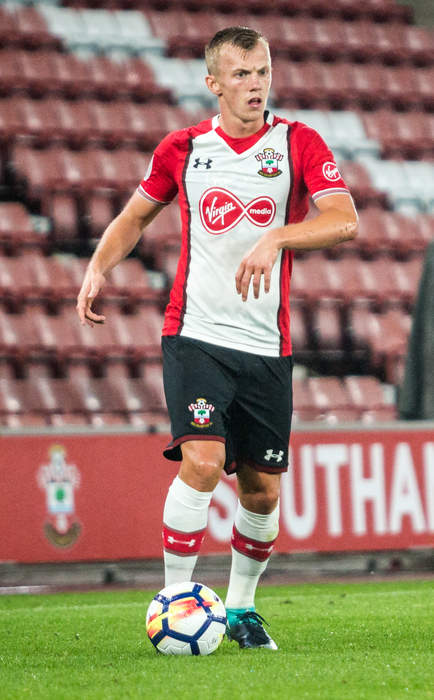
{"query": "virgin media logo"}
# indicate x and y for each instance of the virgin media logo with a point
(220, 210)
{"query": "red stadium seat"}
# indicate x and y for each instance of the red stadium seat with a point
(361, 187)
(63, 212)
(303, 400)
(331, 400)
(419, 44)
(384, 336)
(99, 211)
(33, 30)
(379, 415)
(140, 83)
(366, 393)
(23, 420)
(63, 420)
(16, 228)
(299, 333)
(326, 326)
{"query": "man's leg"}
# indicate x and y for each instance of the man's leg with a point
(186, 507)
(255, 530)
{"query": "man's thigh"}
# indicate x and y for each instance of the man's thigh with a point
(261, 413)
(199, 384)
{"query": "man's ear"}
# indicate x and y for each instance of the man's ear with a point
(213, 85)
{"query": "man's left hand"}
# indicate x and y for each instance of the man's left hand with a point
(257, 262)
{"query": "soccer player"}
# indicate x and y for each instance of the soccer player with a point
(243, 179)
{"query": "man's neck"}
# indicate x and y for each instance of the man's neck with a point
(237, 129)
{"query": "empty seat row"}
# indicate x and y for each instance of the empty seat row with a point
(49, 26)
(409, 185)
(408, 134)
(361, 337)
(117, 397)
(39, 173)
(298, 37)
(79, 391)
(46, 72)
(88, 122)
(333, 400)
(150, 421)
(60, 338)
(306, 84)
(321, 330)
(346, 85)
(26, 27)
(382, 282)
(375, 10)
(32, 277)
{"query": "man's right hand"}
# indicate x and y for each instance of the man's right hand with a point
(92, 283)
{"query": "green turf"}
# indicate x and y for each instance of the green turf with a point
(351, 641)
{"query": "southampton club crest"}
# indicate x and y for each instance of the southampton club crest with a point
(269, 160)
(59, 480)
(201, 413)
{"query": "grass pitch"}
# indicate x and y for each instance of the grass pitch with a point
(337, 641)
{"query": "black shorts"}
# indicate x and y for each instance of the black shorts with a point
(239, 398)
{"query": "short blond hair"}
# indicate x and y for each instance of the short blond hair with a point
(242, 37)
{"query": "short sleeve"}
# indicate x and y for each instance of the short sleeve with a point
(159, 184)
(320, 172)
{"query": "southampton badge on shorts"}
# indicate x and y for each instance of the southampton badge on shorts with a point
(201, 413)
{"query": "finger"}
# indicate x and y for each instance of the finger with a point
(81, 310)
(95, 318)
(257, 282)
(267, 279)
(239, 277)
(245, 283)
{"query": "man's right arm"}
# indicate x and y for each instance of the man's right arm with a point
(118, 240)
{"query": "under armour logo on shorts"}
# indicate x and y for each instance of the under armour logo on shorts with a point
(273, 455)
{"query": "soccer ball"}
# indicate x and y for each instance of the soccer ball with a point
(186, 618)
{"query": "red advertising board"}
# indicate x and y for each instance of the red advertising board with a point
(97, 496)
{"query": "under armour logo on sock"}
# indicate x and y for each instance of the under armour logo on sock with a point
(250, 547)
(273, 455)
(182, 542)
(206, 163)
(173, 540)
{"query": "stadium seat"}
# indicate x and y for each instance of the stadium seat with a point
(16, 228)
(383, 336)
(328, 392)
(299, 329)
(99, 211)
(63, 420)
(303, 400)
(33, 30)
(62, 210)
(23, 420)
(327, 329)
(366, 393)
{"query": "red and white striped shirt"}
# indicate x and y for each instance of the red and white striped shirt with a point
(230, 192)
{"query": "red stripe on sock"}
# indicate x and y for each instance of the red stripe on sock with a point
(184, 543)
(251, 548)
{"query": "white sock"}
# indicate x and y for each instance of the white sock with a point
(253, 537)
(184, 523)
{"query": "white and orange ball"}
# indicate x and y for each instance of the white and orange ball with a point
(187, 619)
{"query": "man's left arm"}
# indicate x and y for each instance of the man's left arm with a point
(336, 222)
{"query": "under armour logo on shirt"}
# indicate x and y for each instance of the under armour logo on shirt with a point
(273, 455)
(206, 163)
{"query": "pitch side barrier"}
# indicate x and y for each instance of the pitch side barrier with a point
(97, 494)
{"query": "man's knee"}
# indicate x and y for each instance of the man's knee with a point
(258, 491)
(202, 464)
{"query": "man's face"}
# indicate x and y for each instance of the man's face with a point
(242, 81)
